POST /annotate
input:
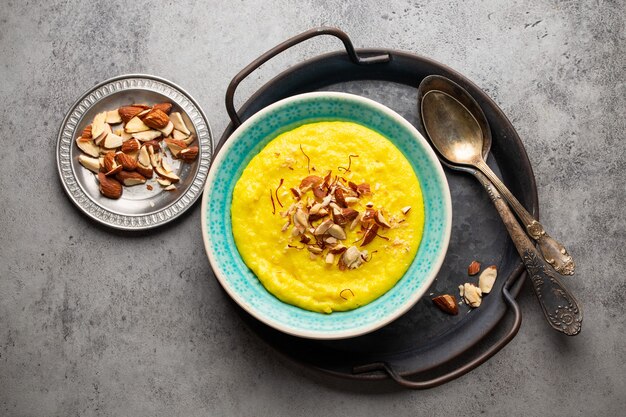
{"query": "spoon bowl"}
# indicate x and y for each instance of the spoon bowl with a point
(458, 130)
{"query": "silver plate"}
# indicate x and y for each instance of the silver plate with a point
(138, 208)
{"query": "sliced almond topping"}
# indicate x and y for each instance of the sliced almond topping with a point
(314, 249)
(171, 187)
(337, 232)
(406, 209)
(370, 234)
(380, 219)
(323, 227)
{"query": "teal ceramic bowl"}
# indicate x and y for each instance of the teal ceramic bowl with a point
(252, 136)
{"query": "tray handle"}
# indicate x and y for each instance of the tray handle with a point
(462, 370)
(322, 30)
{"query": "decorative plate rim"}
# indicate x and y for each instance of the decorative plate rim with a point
(334, 334)
(67, 132)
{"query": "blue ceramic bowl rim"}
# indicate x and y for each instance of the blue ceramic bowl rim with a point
(310, 328)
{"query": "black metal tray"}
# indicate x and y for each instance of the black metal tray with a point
(425, 344)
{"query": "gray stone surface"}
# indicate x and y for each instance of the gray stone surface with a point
(100, 323)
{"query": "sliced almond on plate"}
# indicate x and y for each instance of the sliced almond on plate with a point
(179, 123)
(147, 135)
(97, 127)
(135, 125)
(178, 135)
(88, 146)
(144, 156)
(145, 170)
(165, 174)
(92, 164)
(190, 139)
(112, 141)
(189, 154)
(175, 146)
(130, 178)
(167, 130)
(105, 131)
(113, 117)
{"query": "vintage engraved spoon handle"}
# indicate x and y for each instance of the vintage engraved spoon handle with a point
(559, 306)
(553, 251)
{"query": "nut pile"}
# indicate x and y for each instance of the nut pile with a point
(323, 213)
(124, 147)
(470, 293)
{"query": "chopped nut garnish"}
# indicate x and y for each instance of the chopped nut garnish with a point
(322, 219)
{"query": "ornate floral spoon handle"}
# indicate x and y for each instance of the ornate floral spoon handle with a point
(558, 304)
(552, 250)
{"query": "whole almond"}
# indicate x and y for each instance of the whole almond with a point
(131, 145)
(109, 187)
(447, 303)
(473, 268)
(156, 119)
(164, 107)
(127, 162)
(128, 112)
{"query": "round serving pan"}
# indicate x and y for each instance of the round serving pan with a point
(424, 339)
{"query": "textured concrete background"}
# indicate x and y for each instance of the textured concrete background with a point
(97, 323)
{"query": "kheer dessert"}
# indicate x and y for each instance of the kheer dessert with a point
(329, 216)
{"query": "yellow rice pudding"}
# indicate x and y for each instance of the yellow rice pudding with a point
(298, 266)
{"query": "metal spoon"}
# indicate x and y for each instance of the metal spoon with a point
(460, 137)
(558, 305)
